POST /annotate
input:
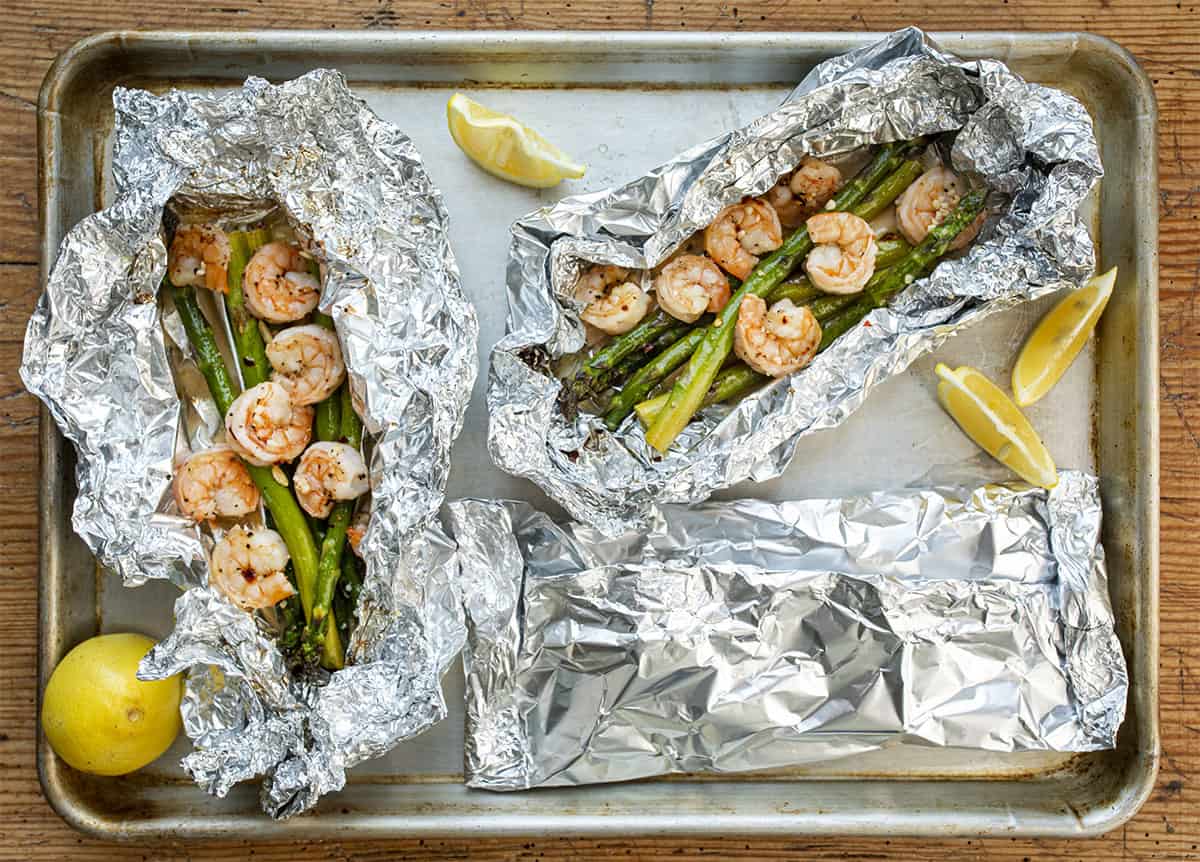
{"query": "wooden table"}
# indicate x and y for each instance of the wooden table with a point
(1165, 36)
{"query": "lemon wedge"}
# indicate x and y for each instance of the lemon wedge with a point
(505, 148)
(1058, 338)
(990, 418)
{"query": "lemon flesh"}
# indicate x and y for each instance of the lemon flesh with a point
(99, 717)
(988, 416)
(1058, 338)
(505, 148)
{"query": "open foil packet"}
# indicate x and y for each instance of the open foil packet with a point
(115, 373)
(1032, 144)
(752, 635)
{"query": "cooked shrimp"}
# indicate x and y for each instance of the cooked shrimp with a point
(614, 303)
(199, 257)
(358, 527)
(775, 342)
(265, 427)
(928, 201)
(690, 285)
(804, 191)
(278, 285)
(308, 361)
(328, 472)
(248, 567)
(843, 260)
(740, 233)
(215, 483)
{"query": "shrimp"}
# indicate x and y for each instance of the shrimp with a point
(308, 361)
(215, 484)
(199, 257)
(690, 285)
(265, 427)
(928, 201)
(843, 260)
(614, 304)
(277, 284)
(358, 528)
(775, 342)
(740, 232)
(248, 567)
(329, 472)
(804, 191)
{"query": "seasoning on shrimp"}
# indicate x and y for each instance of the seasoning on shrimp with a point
(843, 259)
(928, 201)
(215, 483)
(329, 472)
(742, 232)
(775, 342)
(265, 426)
(248, 566)
(690, 285)
(277, 285)
(804, 191)
(308, 361)
(199, 257)
(615, 304)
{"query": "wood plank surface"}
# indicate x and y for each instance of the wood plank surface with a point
(1163, 34)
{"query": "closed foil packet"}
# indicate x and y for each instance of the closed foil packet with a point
(752, 635)
(1033, 144)
(114, 372)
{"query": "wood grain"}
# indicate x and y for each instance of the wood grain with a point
(1163, 34)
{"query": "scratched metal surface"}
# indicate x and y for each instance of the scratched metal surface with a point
(690, 89)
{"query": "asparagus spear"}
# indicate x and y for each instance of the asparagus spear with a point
(346, 598)
(650, 375)
(737, 380)
(689, 391)
(286, 512)
(330, 565)
(731, 384)
(623, 345)
(247, 338)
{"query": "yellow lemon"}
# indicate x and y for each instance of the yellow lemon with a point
(99, 717)
(990, 418)
(506, 148)
(1058, 338)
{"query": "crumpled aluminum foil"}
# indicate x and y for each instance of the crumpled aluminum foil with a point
(753, 635)
(1034, 144)
(114, 373)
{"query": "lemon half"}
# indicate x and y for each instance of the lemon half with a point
(505, 148)
(1058, 338)
(988, 416)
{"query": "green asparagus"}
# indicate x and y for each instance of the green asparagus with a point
(247, 338)
(650, 375)
(330, 564)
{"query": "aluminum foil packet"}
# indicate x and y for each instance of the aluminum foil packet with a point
(753, 635)
(1033, 145)
(116, 375)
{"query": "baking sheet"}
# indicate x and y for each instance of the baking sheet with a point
(899, 437)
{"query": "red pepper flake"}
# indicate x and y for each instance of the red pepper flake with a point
(866, 323)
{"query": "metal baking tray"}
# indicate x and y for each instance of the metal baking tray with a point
(624, 102)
